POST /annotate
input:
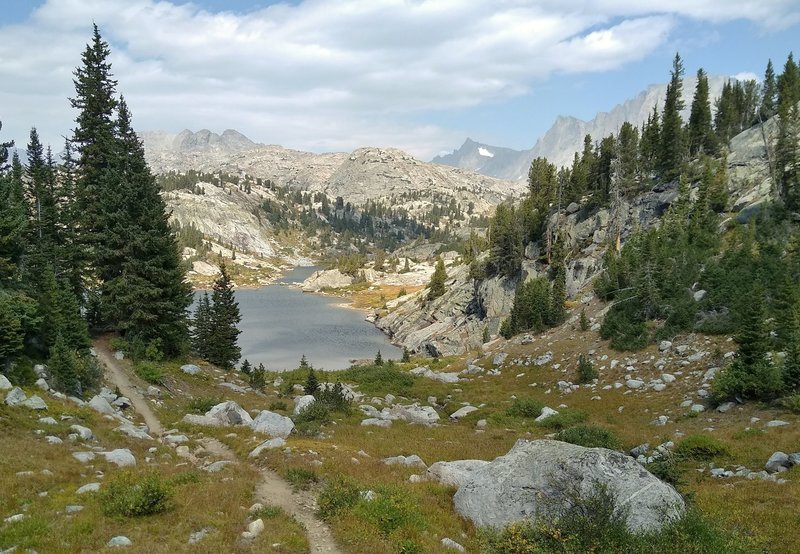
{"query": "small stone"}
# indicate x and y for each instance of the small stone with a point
(667, 377)
(779, 461)
(546, 412)
(197, 536)
(664, 345)
(634, 383)
(89, 487)
(5, 384)
(119, 540)
(191, 369)
(376, 422)
(16, 518)
(697, 408)
(256, 527)
(453, 545)
(53, 440)
(725, 407)
(47, 421)
(83, 457)
(73, 508)
(777, 423)
(122, 457)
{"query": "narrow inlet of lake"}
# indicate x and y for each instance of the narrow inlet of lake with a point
(280, 323)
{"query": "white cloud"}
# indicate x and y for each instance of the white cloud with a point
(332, 75)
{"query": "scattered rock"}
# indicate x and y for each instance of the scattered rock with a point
(545, 358)
(414, 413)
(35, 403)
(191, 369)
(634, 383)
(256, 527)
(779, 461)
(73, 508)
(272, 424)
(173, 440)
(84, 457)
(267, 445)
(461, 412)
(89, 487)
(697, 408)
(42, 384)
(376, 422)
(216, 467)
(5, 384)
(16, 518)
(119, 540)
(16, 397)
(777, 423)
(546, 412)
(450, 543)
(198, 536)
(47, 421)
(122, 457)
(726, 407)
(229, 413)
(410, 461)
(101, 405)
(664, 345)
(537, 477)
(53, 440)
(303, 402)
(83, 432)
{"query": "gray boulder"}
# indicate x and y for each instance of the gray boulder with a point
(15, 397)
(35, 403)
(191, 369)
(779, 461)
(454, 473)
(267, 445)
(83, 432)
(410, 461)
(414, 413)
(537, 478)
(229, 413)
(122, 457)
(5, 384)
(101, 405)
(461, 412)
(303, 402)
(118, 541)
(272, 424)
(376, 422)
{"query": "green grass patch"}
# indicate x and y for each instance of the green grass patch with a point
(380, 380)
(301, 478)
(150, 372)
(132, 495)
(563, 420)
(700, 448)
(590, 436)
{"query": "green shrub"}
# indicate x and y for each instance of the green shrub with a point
(700, 448)
(563, 419)
(760, 381)
(184, 478)
(339, 494)
(586, 371)
(584, 321)
(129, 495)
(266, 512)
(333, 398)
(525, 407)
(792, 403)
(391, 509)
(626, 330)
(590, 436)
(150, 372)
(278, 406)
(202, 404)
(379, 380)
(301, 478)
(316, 411)
(666, 470)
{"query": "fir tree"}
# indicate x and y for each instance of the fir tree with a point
(406, 356)
(11, 333)
(586, 371)
(378, 359)
(12, 220)
(753, 338)
(436, 286)
(769, 94)
(246, 368)
(223, 347)
(558, 296)
(584, 321)
(671, 148)
(257, 378)
(787, 149)
(701, 135)
(63, 368)
(201, 330)
(304, 362)
(312, 385)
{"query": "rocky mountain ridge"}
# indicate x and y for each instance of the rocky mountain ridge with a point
(565, 137)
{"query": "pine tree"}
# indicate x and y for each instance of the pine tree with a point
(378, 359)
(246, 368)
(201, 329)
(586, 371)
(671, 149)
(257, 378)
(12, 220)
(701, 135)
(436, 286)
(304, 362)
(406, 356)
(787, 149)
(312, 385)
(63, 368)
(584, 321)
(769, 94)
(558, 296)
(11, 333)
(753, 338)
(223, 339)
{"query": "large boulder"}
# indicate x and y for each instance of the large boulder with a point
(326, 279)
(101, 405)
(5, 384)
(16, 397)
(454, 473)
(272, 424)
(229, 413)
(540, 477)
(414, 413)
(303, 402)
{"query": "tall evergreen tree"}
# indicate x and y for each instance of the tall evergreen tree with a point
(436, 286)
(787, 150)
(672, 146)
(701, 135)
(224, 333)
(201, 327)
(769, 94)
(12, 220)
(63, 368)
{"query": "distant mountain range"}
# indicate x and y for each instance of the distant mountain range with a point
(565, 137)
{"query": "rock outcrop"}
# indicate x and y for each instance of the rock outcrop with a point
(540, 478)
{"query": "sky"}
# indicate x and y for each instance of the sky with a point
(335, 75)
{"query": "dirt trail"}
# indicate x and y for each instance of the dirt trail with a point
(117, 373)
(272, 489)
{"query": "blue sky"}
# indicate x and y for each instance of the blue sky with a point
(421, 75)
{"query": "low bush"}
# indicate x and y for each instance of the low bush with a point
(390, 509)
(700, 448)
(333, 398)
(563, 419)
(792, 403)
(309, 421)
(277, 406)
(379, 380)
(666, 470)
(590, 436)
(202, 404)
(301, 478)
(525, 407)
(131, 495)
(760, 381)
(150, 372)
(184, 478)
(339, 494)
(586, 371)
(266, 512)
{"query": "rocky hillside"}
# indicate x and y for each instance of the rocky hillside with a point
(456, 322)
(565, 137)
(366, 174)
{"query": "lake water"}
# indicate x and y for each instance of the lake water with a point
(281, 323)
